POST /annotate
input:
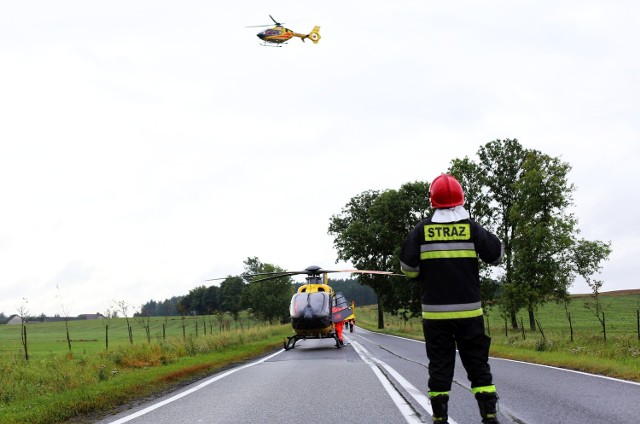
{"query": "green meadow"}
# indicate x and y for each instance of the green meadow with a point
(92, 336)
(553, 342)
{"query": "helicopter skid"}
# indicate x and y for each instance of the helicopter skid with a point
(291, 341)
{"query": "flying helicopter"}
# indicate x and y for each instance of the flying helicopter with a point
(279, 35)
(316, 307)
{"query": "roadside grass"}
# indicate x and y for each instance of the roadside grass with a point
(82, 384)
(55, 386)
(618, 356)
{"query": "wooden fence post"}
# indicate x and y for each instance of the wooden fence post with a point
(506, 327)
(26, 352)
(570, 325)
(106, 336)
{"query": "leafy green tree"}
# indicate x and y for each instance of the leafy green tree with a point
(195, 301)
(168, 307)
(543, 231)
(369, 231)
(477, 202)
(476, 195)
(500, 168)
(231, 292)
(356, 240)
(149, 309)
(269, 300)
(210, 299)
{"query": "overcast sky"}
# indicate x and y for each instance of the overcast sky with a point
(146, 146)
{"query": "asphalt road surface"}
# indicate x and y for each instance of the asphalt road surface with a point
(383, 379)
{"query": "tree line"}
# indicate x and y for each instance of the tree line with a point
(267, 300)
(523, 195)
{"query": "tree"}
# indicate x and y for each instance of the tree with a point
(23, 311)
(123, 306)
(543, 231)
(196, 301)
(369, 231)
(149, 309)
(356, 240)
(477, 202)
(231, 291)
(588, 258)
(269, 300)
(144, 321)
(210, 299)
(500, 168)
(476, 193)
(65, 316)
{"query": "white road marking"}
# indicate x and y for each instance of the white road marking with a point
(416, 394)
(404, 407)
(191, 390)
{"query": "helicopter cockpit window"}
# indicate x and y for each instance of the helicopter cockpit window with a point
(272, 32)
(318, 304)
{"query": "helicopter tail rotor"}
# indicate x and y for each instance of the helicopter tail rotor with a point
(314, 35)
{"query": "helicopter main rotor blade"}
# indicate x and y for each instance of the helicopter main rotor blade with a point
(276, 22)
(273, 277)
(365, 271)
(312, 270)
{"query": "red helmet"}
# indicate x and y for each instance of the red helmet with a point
(445, 192)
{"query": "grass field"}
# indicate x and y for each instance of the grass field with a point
(90, 336)
(618, 356)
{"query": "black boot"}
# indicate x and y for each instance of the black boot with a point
(487, 402)
(440, 408)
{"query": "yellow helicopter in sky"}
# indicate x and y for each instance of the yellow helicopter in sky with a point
(279, 35)
(315, 308)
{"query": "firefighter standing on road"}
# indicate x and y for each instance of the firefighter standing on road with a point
(442, 253)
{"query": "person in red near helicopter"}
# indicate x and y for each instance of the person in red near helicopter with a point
(339, 326)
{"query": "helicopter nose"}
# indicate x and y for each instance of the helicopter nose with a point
(260, 35)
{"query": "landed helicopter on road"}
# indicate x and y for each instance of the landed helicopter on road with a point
(316, 307)
(279, 35)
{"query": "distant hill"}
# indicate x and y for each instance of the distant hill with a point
(611, 293)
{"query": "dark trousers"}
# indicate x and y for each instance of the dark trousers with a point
(441, 339)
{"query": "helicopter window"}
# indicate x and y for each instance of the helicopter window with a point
(272, 32)
(318, 302)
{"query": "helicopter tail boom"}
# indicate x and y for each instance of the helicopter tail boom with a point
(314, 35)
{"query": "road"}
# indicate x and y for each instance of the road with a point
(383, 379)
